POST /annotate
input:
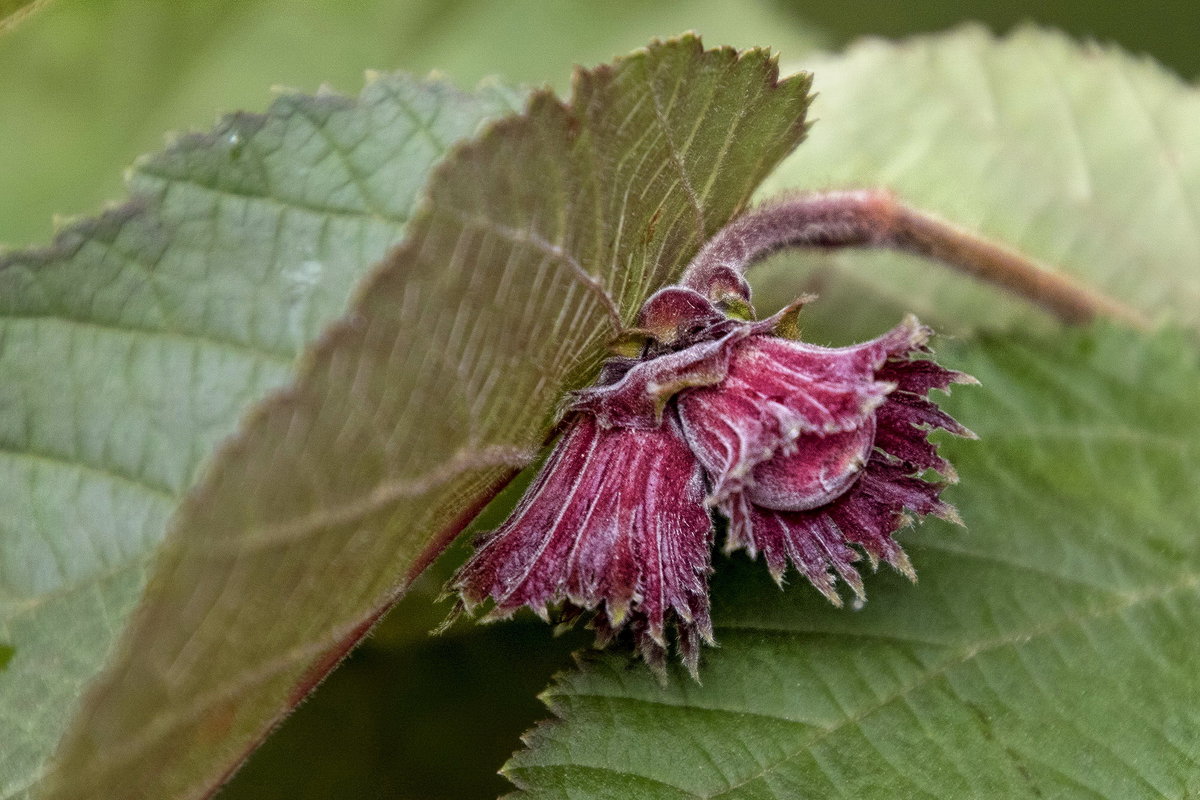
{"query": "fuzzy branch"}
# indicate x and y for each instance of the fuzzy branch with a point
(875, 218)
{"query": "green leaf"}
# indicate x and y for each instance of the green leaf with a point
(537, 242)
(132, 345)
(1049, 650)
(1081, 157)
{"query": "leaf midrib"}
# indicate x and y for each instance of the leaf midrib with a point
(23, 606)
(192, 337)
(282, 203)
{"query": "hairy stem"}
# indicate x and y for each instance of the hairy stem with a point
(875, 218)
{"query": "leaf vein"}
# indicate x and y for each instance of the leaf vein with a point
(1190, 581)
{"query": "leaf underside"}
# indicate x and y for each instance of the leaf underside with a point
(1048, 650)
(132, 345)
(536, 242)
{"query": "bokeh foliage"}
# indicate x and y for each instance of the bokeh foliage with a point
(88, 85)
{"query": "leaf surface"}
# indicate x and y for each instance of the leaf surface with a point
(1048, 650)
(132, 345)
(536, 244)
(1079, 156)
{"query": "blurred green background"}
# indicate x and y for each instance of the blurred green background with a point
(87, 85)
